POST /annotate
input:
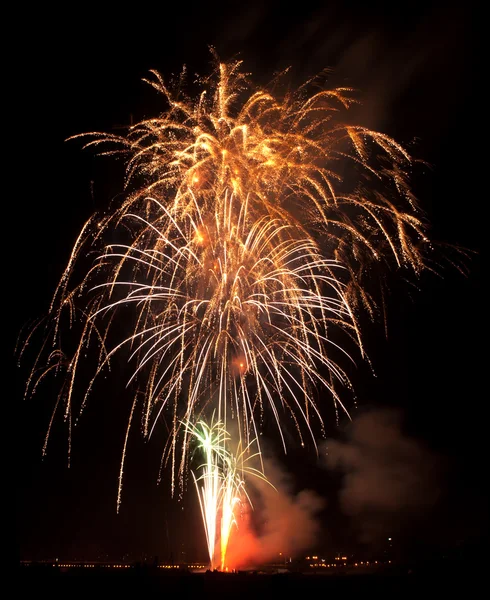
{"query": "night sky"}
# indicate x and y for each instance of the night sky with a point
(419, 423)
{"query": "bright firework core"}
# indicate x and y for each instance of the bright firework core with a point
(245, 240)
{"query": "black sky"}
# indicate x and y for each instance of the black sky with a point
(82, 72)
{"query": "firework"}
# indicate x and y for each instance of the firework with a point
(221, 485)
(243, 245)
(211, 441)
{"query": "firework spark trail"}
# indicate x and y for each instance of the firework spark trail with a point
(211, 441)
(221, 485)
(234, 492)
(233, 485)
(242, 246)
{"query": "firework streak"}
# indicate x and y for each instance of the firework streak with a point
(221, 485)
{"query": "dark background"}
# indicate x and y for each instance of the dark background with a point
(82, 72)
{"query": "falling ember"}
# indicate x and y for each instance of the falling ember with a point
(241, 251)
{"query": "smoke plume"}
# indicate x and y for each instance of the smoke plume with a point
(279, 526)
(391, 482)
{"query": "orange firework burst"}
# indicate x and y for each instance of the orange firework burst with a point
(242, 246)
